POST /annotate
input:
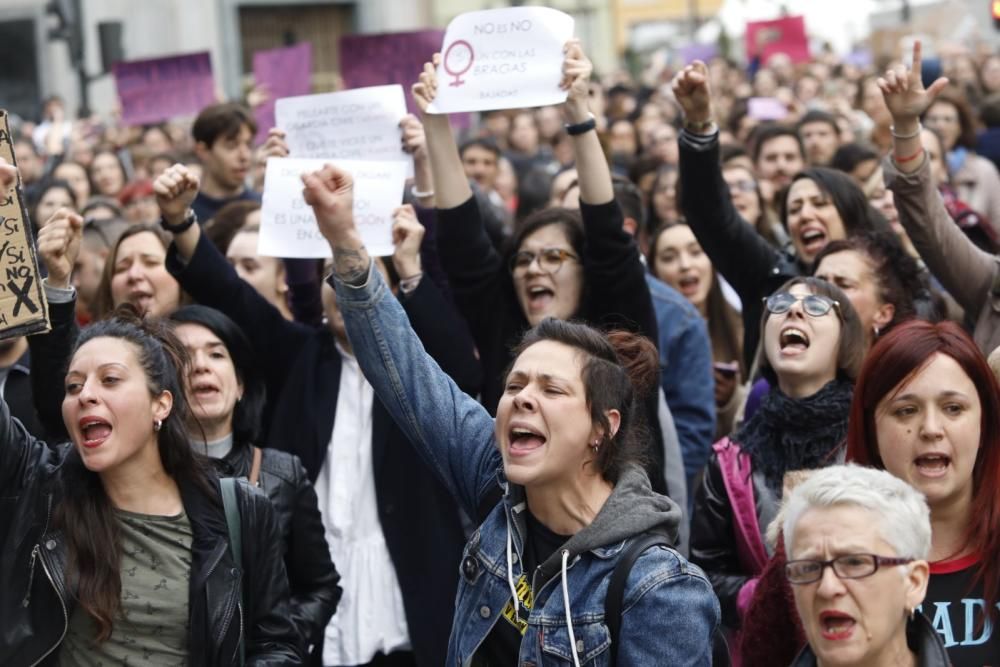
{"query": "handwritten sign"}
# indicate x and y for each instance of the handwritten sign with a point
(785, 35)
(158, 89)
(288, 227)
(392, 57)
(284, 72)
(502, 59)
(23, 309)
(361, 124)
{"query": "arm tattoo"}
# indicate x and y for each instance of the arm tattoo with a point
(351, 265)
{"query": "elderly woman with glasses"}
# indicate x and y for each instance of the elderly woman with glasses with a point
(812, 348)
(858, 541)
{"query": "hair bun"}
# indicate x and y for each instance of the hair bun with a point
(639, 357)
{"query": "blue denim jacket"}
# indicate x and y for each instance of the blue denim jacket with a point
(669, 611)
(686, 377)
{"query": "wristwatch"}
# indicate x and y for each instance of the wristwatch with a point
(189, 219)
(577, 129)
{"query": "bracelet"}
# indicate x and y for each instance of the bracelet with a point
(913, 135)
(908, 158)
(407, 285)
(577, 129)
(420, 194)
(189, 220)
(698, 127)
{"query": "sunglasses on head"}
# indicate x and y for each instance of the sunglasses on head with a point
(814, 305)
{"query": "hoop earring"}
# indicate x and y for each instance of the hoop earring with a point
(157, 425)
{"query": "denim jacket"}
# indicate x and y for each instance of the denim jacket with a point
(669, 612)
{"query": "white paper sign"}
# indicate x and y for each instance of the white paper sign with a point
(288, 227)
(502, 59)
(358, 124)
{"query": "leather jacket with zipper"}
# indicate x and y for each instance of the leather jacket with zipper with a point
(312, 577)
(38, 597)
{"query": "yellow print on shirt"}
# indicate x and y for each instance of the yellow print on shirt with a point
(523, 590)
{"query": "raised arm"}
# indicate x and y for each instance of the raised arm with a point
(451, 187)
(965, 271)
(451, 431)
(594, 175)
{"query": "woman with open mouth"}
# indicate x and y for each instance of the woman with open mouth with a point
(811, 352)
(858, 540)
(575, 504)
(226, 396)
(925, 410)
(820, 205)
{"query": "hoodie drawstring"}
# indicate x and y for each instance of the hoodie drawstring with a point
(569, 619)
(510, 569)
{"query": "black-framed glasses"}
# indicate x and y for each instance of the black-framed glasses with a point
(815, 305)
(550, 260)
(851, 566)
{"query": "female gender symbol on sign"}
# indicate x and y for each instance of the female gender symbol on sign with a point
(458, 60)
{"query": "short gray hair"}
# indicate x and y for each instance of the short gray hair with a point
(903, 516)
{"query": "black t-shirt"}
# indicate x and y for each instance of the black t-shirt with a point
(503, 644)
(956, 610)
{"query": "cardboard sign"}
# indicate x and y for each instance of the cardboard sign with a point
(284, 72)
(361, 124)
(502, 59)
(287, 224)
(785, 35)
(23, 309)
(158, 89)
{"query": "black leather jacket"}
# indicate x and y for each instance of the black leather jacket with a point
(921, 637)
(713, 542)
(312, 577)
(37, 599)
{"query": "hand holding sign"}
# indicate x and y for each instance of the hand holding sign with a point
(414, 140)
(59, 245)
(175, 190)
(425, 89)
(407, 235)
(691, 90)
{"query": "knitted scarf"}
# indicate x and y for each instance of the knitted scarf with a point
(796, 434)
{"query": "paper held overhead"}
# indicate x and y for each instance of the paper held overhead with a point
(502, 59)
(288, 227)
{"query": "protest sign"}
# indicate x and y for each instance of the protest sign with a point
(785, 35)
(766, 108)
(702, 52)
(287, 224)
(23, 309)
(282, 72)
(361, 124)
(502, 59)
(158, 89)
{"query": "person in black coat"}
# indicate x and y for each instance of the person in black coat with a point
(302, 371)
(223, 429)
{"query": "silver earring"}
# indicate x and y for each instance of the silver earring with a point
(875, 327)
(596, 445)
(913, 613)
(157, 425)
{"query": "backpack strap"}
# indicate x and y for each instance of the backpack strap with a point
(616, 587)
(235, 531)
(735, 469)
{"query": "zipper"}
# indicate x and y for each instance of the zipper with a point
(65, 614)
(31, 577)
(239, 641)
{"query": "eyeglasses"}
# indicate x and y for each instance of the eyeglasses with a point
(550, 260)
(852, 566)
(814, 305)
(742, 186)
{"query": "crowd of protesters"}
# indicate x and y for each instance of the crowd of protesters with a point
(651, 377)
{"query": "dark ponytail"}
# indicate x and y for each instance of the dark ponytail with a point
(619, 371)
(85, 513)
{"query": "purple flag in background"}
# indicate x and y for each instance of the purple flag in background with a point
(287, 72)
(702, 52)
(397, 57)
(158, 89)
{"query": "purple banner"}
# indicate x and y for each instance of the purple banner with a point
(285, 72)
(702, 52)
(398, 57)
(158, 89)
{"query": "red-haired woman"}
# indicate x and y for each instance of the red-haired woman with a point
(925, 409)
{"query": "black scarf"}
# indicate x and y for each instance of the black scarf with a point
(796, 434)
